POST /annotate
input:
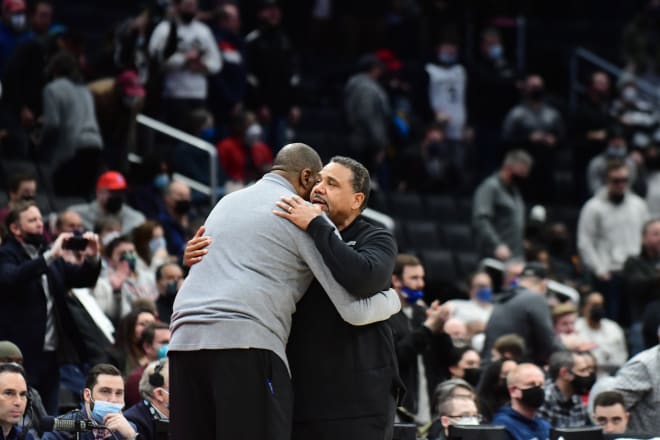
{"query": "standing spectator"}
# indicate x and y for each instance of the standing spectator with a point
(110, 196)
(71, 135)
(523, 310)
(227, 88)
(492, 93)
(616, 149)
(538, 128)
(592, 122)
(642, 281)
(196, 56)
(417, 331)
(169, 278)
(33, 284)
(639, 382)
(570, 378)
(521, 419)
(640, 52)
(608, 233)
(368, 113)
(498, 210)
(610, 348)
(12, 29)
(635, 112)
(22, 187)
(272, 74)
(175, 218)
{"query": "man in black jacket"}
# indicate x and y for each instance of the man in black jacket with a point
(418, 336)
(151, 415)
(345, 378)
(33, 287)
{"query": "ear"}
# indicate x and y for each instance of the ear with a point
(158, 394)
(454, 371)
(565, 374)
(396, 282)
(14, 229)
(445, 421)
(358, 198)
(87, 395)
(306, 178)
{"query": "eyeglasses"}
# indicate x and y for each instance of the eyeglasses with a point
(618, 180)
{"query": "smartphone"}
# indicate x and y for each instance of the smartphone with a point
(75, 243)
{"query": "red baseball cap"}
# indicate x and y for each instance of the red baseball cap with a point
(111, 180)
(13, 5)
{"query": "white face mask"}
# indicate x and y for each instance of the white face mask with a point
(467, 420)
(18, 22)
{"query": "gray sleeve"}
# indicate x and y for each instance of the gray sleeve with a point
(633, 382)
(352, 310)
(586, 237)
(543, 335)
(483, 213)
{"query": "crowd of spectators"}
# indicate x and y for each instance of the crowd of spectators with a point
(88, 288)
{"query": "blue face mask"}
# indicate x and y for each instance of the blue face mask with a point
(513, 283)
(485, 294)
(495, 52)
(412, 296)
(446, 58)
(208, 134)
(615, 152)
(157, 243)
(102, 408)
(161, 181)
(162, 351)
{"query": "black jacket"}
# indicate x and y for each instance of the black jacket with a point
(23, 310)
(148, 423)
(339, 370)
(642, 283)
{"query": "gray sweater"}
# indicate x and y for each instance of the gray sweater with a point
(243, 293)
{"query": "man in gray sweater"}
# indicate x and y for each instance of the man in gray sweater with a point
(232, 315)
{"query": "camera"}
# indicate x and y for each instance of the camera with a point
(75, 243)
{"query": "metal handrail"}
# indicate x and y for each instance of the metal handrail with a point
(582, 54)
(211, 188)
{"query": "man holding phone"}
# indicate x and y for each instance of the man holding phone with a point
(33, 285)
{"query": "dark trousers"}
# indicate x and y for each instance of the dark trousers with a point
(229, 395)
(43, 374)
(373, 427)
(77, 176)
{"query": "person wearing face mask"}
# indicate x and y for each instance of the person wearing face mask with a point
(521, 420)
(195, 57)
(155, 341)
(608, 233)
(493, 392)
(34, 281)
(610, 348)
(463, 363)
(616, 149)
(632, 109)
(418, 337)
(175, 218)
(169, 278)
(570, 378)
(456, 411)
(13, 28)
(103, 401)
(152, 414)
(537, 127)
(475, 311)
(498, 209)
(111, 187)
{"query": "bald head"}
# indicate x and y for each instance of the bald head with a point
(293, 158)
(525, 375)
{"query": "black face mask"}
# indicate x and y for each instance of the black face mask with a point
(582, 384)
(187, 17)
(472, 376)
(517, 180)
(533, 397)
(182, 206)
(597, 313)
(172, 289)
(28, 197)
(36, 240)
(114, 203)
(616, 199)
(536, 95)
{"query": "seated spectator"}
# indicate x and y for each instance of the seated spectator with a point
(610, 348)
(569, 379)
(639, 382)
(452, 388)
(103, 400)
(456, 411)
(463, 364)
(243, 157)
(632, 110)
(11, 354)
(616, 149)
(123, 281)
(155, 404)
(21, 187)
(70, 132)
(521, 419)
(127, 353)
(151, 244)
(564, 316)
(508, 347)
(110, 197)
(175, 218)
(476, 310)
(493, 392)
(610, 412)
(14, 401)
(154, 340)
(169, 278)
(458, 332)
